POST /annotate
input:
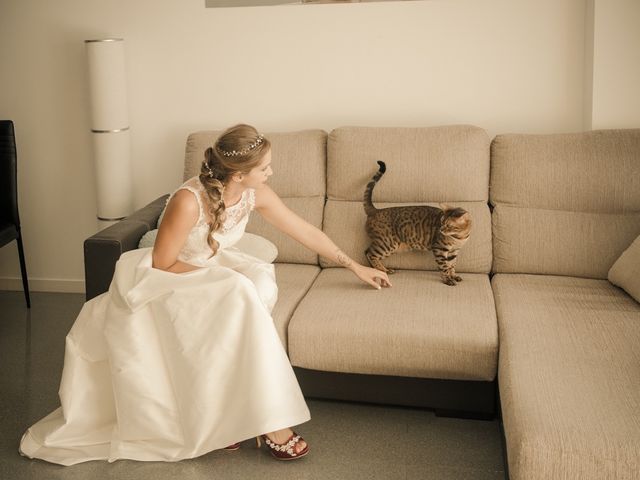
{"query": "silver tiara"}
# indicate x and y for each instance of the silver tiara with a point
(244, 151)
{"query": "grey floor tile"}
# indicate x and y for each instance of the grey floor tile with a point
(458, 442)
(348, 440)
(436, 472)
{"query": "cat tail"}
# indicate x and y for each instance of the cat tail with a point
(368, 193)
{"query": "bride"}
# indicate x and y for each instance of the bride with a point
(180, 357)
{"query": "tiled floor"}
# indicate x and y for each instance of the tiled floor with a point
(347, 440)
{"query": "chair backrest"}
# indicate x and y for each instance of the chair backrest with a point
(8, 174)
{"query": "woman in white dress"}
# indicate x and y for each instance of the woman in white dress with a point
(180, 357)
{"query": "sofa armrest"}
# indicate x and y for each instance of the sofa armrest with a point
(102, 250)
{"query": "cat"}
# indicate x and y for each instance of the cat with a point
(419, 227)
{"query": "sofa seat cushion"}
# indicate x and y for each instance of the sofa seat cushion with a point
(293, 282)
(418, 328)
(569, 376)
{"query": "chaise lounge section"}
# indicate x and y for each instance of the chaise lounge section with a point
(565, 208)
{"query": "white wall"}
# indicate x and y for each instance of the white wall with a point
(503, 65)
(616, 64)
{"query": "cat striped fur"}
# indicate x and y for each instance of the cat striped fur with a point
(443, 231)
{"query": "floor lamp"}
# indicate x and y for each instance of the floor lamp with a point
(110, 129)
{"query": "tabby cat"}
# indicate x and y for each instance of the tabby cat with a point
(418, 227)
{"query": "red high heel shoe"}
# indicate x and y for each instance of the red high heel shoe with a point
(235, 446)
(284, 451)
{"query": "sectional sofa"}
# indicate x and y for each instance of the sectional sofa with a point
(535, 333)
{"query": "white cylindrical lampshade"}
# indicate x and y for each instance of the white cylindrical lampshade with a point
(108, 83)
(112, 157)
(110, 128)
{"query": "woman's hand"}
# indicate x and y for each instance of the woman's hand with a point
(372, 276)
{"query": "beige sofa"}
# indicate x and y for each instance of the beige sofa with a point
(551, 214)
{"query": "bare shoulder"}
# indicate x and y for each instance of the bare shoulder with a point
(265, 197)
(183, 205)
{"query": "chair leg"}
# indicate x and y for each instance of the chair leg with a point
(23, 270)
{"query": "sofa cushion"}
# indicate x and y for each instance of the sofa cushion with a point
(293, 282)
(569, 376)
(418, 328)
(565, 204)
(424, 165)
(474, 257)
(299, 165)
(430, 164)
(290, 251)
(578, 244)
(625, 273)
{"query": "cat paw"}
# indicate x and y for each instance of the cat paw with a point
(449, 281)
(457, 278)
(390, 271)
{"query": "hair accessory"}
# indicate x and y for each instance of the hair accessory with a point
(208, 169)
(244, 151)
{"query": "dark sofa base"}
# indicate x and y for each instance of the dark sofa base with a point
(448, 398)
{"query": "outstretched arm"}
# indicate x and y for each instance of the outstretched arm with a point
(280, 216)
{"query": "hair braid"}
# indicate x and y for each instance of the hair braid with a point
(248, 147)
(214, 188)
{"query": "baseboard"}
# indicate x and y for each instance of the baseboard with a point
(43, 285)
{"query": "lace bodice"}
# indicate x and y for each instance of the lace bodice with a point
(196, 250)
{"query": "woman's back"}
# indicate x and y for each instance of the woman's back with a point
(196, 250)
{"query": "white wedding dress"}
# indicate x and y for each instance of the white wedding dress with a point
(168, 366)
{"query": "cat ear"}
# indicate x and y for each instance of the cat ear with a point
(445, 206)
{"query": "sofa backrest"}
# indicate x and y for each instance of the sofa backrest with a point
(565, 204)
(299, 166)
(424, 166)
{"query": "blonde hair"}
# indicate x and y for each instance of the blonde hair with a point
(238, 150)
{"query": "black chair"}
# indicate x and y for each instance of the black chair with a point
(9, 219)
